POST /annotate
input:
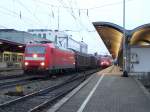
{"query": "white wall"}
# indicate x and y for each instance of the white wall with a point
(140, 59)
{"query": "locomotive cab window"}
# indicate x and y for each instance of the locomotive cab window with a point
(35, 49)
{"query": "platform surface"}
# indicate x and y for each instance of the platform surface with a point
(112, 94)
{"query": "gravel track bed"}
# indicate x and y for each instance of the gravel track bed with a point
(33, 86)
(10, 73)
(15, 79)
(26, 105)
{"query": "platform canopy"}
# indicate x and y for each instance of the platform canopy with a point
(112, 36)
(7, 45)
(140, 36)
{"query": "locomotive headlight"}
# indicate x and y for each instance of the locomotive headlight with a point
(107, 63)
(26, 63)
(34, 55)
(42, 63)
(102, 63)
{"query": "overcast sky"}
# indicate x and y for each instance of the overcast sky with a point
(27, 14)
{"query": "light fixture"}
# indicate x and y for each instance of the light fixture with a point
(26, 63)
(34, 55)
(42, 64)
(20, 46)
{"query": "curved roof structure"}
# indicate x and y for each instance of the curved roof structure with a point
(112, 36)
(140, 35)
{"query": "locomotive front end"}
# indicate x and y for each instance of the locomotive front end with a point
(35, 58)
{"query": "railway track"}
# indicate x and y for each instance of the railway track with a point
(24, 80)
(11, 76)
(37, 100)
(15, 76)
(9, 82)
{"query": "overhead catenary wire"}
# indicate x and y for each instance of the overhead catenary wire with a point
(75, 8)
(79, 21)
(71, 9)
(73, 15)
(107, 5)
(26, 8)
(19, 14)
(63, 4)
(81, 25)
(11, 13)
(3, 26)
(76, 4)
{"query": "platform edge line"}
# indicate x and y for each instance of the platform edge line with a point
(143, 88)
(68, 96)
(90, 95)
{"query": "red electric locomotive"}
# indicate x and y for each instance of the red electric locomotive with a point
(105, 62)
(48, 57)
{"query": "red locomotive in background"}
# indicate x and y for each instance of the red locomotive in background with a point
(105, 62)
(49, 57)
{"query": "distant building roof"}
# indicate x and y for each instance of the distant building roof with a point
(32, 30)
(8, 30)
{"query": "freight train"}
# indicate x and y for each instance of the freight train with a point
(51, 58)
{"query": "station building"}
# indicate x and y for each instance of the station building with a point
(11, 53)
(60, 38)
(43, 33)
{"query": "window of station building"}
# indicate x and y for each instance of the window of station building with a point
(1, 57)
(34, 35)
(39, 35)
(6, 57)
(14, 58)
(44, 35)
(20, 58)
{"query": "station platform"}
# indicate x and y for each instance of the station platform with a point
(106, 91)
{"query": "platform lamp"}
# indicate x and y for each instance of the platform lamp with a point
(125, 72)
